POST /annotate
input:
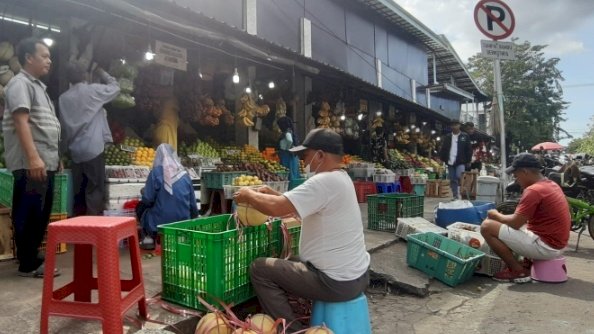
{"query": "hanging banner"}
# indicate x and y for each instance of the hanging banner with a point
(171, 56)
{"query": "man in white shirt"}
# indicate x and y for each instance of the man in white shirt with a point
(456, 152)
(333, 262)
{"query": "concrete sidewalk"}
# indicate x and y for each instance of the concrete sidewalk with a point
(393, 296)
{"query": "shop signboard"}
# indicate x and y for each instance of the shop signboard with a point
(171, 56)
(498, 50)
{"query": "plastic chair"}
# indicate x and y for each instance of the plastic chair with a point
(549, 271)
(348, 317)
(103, 233)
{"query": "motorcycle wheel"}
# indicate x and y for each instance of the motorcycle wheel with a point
(507, 207)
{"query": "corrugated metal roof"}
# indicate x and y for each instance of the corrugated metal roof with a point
(448, 63)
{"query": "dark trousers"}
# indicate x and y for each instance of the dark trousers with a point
(31, 208)
(88, 180)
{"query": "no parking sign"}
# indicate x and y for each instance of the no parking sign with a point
(494, 19)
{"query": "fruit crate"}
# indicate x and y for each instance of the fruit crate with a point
(295, 183)
(216, 180)
(294, 232)
(364, 188)
(414, 225)
(210, 257)
(383, 210)
(60, 203)
(444, 259)
(6, 185)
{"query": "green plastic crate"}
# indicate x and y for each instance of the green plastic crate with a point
(6, 186)
(216, 180)
(211, 258)
(383, 210)
(295, 183)
(294, 234)
(444, 259)
(60, 203)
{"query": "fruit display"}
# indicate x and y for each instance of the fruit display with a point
(148, 92)
(378, 122)
(281, 111)
(324, 120)
(125, 74)
(397, 160)
(200, 148)
(249, 110)
(144, 156)
(116, 157)
(246, 180)
(133, 142)
(209, 113)
(262, 171)
(227, 115)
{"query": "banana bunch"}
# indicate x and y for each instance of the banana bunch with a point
(281, 111)
(325, 120)
(247, 112)
(378, 122)
(402, 137)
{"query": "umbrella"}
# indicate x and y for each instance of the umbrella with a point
(548, 146)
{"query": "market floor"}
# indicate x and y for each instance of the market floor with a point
(478, 306)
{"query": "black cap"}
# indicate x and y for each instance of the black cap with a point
(322, 139)
(524, 160)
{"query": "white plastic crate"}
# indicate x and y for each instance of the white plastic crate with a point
(405, 172)
(406, 226)
(490, 265)
(119, 190)
(384, 178)
(362, 172)
(487, 186)
(280, 186)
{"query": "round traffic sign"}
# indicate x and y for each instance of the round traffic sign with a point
(494, 19)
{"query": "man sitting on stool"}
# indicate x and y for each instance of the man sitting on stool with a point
(545, 212)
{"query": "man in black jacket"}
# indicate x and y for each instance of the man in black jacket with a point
(456, 152)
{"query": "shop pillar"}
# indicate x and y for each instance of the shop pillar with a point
(300, 110)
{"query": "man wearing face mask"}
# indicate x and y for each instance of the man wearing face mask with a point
(333, 262)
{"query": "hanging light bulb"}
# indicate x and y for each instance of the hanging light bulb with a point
(432, 132)
(407, 130)
(424, 123)
(248, 89)
(235, 76)
(47, 38)
(271, 84)
(378, 113)
(360, 117)
(260, 96)
(438, 138)
(417, 130)
(342, 117)
(413, 126)
(123, 61)
(200, 73)
(149, 55)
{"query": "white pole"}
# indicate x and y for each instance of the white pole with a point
(499, 90)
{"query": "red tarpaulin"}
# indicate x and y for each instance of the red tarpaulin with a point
(547, 146)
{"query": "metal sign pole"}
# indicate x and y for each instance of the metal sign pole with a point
(499, 90)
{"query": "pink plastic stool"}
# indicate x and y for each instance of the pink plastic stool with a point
(549, 271)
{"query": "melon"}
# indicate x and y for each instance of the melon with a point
(213, 323)
(248, 216)
(244, 331)
(319, 330)
(263, 323)
(5, 75)
(14, 65)
(6, 51)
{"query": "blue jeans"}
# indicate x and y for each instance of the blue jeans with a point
(455, 174)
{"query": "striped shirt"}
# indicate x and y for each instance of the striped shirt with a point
(26, 92)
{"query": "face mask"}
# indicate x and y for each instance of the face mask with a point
(307, 169)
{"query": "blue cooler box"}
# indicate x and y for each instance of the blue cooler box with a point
(473, 215)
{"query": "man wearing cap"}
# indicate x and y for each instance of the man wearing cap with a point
(333, 262)
(456, 152)
(537, 230)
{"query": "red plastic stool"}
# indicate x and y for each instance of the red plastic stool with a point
(104, 233)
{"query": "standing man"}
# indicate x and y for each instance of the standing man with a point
(456, 152)
(333, 263)
(31, 136)
(86, 131)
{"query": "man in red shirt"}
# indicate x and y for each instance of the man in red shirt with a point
(538, 229)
